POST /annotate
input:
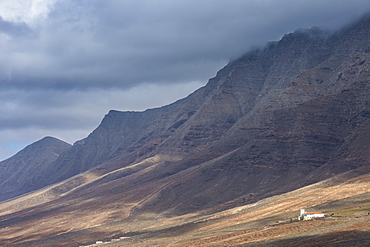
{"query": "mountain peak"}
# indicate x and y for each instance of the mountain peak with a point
(19, 171)
(270, 122)
(51, 141)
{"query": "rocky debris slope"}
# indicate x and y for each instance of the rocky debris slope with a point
(277, 118)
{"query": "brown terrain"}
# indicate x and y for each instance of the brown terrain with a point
(279, 129)
(345, 199)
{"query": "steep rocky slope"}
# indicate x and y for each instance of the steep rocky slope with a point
(274, 120)
(279, 118)
(294, 109)
(18, 174)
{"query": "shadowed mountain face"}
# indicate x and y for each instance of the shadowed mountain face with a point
(18, 174)
(276, 119)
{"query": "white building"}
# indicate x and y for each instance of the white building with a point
(309, 215)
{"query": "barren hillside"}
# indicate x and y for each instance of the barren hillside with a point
(344, 198)
(278, 129)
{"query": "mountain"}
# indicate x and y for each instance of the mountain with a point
(279, 118)
(18, 173)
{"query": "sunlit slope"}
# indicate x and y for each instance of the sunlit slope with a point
(85, 221)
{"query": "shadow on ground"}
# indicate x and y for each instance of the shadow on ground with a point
(335, 239)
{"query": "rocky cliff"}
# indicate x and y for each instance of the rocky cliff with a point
(276, 119)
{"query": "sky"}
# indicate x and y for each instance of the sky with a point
(65, 63)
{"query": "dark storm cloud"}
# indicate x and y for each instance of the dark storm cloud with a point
(63, 69)
(84, 44)
(13, 29)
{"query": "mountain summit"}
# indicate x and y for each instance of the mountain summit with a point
(279, 113)
(18, 174)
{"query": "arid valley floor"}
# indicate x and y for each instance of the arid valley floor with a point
(268, 222)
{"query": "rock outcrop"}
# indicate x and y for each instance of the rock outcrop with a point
(277, 118)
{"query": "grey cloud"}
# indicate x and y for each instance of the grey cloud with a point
(86, 44)
(89, 44)
(14, 29)
(53, 110)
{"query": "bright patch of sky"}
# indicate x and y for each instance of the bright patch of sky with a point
(27, 11)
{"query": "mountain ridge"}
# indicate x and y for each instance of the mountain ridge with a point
(289, 115)
(245, 91)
